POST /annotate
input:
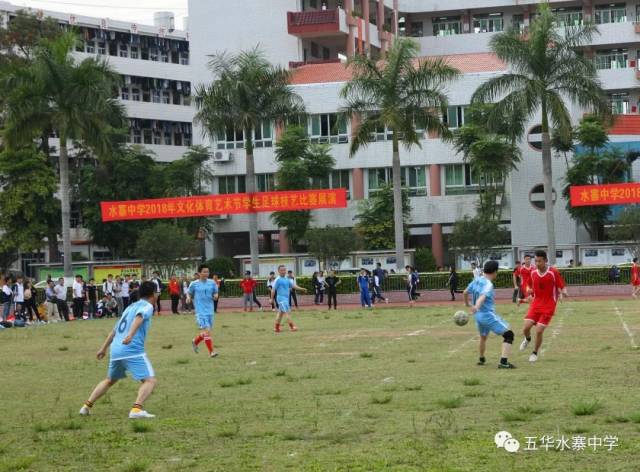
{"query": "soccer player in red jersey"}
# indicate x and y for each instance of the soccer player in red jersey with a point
(546, 285)
(635, 278)
(525, 277)
(516, 282)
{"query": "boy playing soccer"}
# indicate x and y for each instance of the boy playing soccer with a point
(127, 353)
(525, 278)
(203, 292)
(481, 289)
(546, 285)
(281, 290)
(635, 278)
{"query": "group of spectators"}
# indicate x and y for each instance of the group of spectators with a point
(18, 299)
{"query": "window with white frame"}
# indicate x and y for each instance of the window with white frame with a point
(517, 22)
(612, 59)
(263, 135)
(102, 48)
(135, 94)
(153, 54)
(123, 51)
(382, 133)
(447, 26)
(231, 184)
(166, 97)
(454, 117)
(184, 58)
(134, 52)
(611, 13)
(459, 180)
(234, 139)
(137, 136)
(91, 47)
(155, 96)
(124, 93)
(412, 178)
(265, 182)
(619, 103)
(340, 179)
(328, 128)
(164, 56)
(568, 17)
(417, 29)
(488, 23)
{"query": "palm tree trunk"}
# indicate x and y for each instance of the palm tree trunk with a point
(65, 205)
(253, 217)
(52, 241)
(547, 179)
(398, 219)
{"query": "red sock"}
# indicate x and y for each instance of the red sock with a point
(277, 326)
(198, 339)
(209, 343)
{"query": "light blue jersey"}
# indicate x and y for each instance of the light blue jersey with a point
(486, 318)
(282, 286)
(202, 294)
(136, 347)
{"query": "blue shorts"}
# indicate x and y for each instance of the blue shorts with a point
(491, 323)
(139, 367)
(205, 321)
(283, 305)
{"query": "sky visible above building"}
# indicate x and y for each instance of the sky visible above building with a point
(140, 11)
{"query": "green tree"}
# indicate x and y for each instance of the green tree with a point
(129, 174)
(402, 94)
(476, 237)
(594, 165)
(546, 70)
(223, 266)
(75, 100)
(166, 248)
(29, 211)
(22, 33)
(424, 260)
(247, 93)
(627, 229)
(331, 244)
(375, 219)
(300, 164)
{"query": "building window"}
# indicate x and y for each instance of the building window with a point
(263, 135)
(455, 116)
(231, 184)
(137, 136)
(340, 179)
(157, 137)
(619, 103)
(102, 48)
(488, 23)
(412, 178)
(446, 25)
(134, 52)
(265, 182)
(328, 128)
(148, 136)
(382, 133)
(611, 13)
(91, 47)
(184, 59)
(153, 54)
(612, 59)
(135, 94)
(124, 52)
(164, 56)
(167, 138)
(517, 22)
(315, 50)
(417, 29)
(124, 93)
(567, 17)
(166, 97)
(155, 96)
(459, 180)
(232, 139)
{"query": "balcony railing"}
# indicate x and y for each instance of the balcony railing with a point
(310, 20)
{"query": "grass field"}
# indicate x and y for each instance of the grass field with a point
(389, 389)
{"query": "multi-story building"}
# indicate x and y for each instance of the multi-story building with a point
(313, 37)
(156, 89)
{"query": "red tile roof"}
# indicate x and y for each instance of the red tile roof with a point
(626, 125)
(338, 72)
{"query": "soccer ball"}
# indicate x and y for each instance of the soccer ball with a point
(461, 318)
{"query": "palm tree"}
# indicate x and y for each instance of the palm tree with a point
(75, 100)
(402, 94)
(546, 70)
(247, 92)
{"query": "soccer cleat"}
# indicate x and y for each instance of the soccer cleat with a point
(533, 357)
(85, 411)
(481, 362)
(524, 344)
(293, 327)
(508, 365)
(214, 354)
(135, 414)
(194, 346)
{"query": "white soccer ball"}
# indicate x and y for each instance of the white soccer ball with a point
(461, 318)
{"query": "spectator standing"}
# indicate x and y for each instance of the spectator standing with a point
(516, 282)
(412, 284)
(78, 297)
(174, 293)
(270, 282)
(30, 301)
(247, 285)
(321, 287)
(363, 287)
(18, 297)
(332, 283)
(61, 299)
(117, 294)
(292, 294)
(220, 284)
(92, 298)
(316, 288)
(159, 286)
(53, 315)
(6, 296)
(477, 272)
(377, 285)
(184, 285)
(125, 291)
(453, 283)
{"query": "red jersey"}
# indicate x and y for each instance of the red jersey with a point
(546, 289)
(174, 287)
(247, 285)
(525, 277)
(635, 274)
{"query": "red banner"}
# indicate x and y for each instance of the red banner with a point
(210, 205)
(609, 194)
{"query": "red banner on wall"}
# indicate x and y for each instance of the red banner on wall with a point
(609, 194)
(210, 205)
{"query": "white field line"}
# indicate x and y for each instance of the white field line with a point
(555, 332)
(625, 327)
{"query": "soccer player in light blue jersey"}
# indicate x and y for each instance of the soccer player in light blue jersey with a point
(127, 353)
(484, 308)
(203, 292)
(280, 291)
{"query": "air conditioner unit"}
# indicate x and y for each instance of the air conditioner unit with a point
(223, 217)
(220, 156)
